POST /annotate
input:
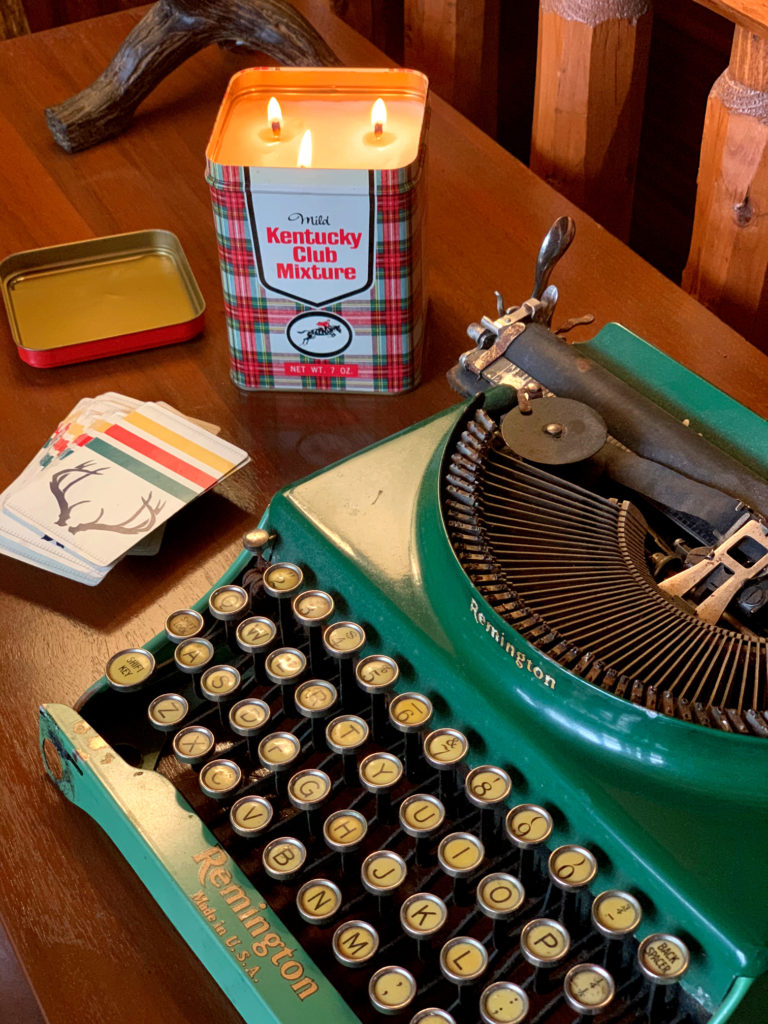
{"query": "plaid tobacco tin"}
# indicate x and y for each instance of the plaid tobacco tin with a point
(321, 267)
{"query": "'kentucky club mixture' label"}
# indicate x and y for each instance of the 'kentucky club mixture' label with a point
(314, 248)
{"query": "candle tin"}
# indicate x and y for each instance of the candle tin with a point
(100, 297)
(321, 267)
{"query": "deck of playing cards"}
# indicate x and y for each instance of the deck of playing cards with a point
(113, 471)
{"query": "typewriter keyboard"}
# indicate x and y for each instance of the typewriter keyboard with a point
(420, 886)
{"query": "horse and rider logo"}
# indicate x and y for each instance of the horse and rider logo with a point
(319, 334)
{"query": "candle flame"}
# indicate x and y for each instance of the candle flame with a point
(378, 116)
(305, 150)
(274, 115)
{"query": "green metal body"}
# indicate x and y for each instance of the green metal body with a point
(676, 812)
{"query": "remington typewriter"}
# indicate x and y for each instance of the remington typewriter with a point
(475, 728)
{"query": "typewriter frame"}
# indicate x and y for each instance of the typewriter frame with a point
(562, 737)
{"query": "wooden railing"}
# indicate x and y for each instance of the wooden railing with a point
(587, 118)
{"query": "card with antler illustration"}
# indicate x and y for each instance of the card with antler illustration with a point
(118, 479)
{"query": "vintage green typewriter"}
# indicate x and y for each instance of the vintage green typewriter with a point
(475, 727)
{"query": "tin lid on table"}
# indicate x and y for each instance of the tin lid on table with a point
(100, 297)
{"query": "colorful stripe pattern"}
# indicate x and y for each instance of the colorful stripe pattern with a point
(391, 313)
(142, 470)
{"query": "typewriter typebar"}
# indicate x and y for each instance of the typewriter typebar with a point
(441, 747)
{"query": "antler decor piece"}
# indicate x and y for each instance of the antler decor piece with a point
(169, 33)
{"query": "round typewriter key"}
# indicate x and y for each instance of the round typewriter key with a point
(544, 942)
(528, 825)
(255, 634)
(463, 960)
(409, 713)
(220, 683)
(345, 735)
(572, 867)
(282, 579)
(228, 603)
(284, 667)
(391, 989)
(220, 778)
(183, 624)
(311, 610)
(500, 895)
(487, 786)
(193, 655)
(503, 1002)
(344, 831)
(377, 675)
(432, 1015)
(318, 901)
(380, 773)
(663, 958)
(444, 749)
(281, 582)
(383, 872)
(312, 607)
(343, 639)
(250, 815)
(129, 670)
(308, 790)
(284, 858)
(354, 943)
(616, 914)
(423, 915)
(421, 815)
(316, 700)
(193, 744)
(588, 989)
(277, 752)
(460, 854)
(167, 711)
(248, 717)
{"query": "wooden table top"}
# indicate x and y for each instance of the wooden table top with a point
(91, 940)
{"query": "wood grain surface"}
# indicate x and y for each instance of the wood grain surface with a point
(90, 939)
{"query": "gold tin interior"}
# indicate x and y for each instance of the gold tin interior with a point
(99, 288)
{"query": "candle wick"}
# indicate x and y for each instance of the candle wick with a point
(276, 129)
(378, 128)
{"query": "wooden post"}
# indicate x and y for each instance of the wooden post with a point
(588, 104)
(728, 261)
(456, 44)
(13, 19)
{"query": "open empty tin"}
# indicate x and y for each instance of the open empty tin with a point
(100, 297)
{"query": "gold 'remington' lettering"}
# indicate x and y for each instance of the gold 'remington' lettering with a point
(269, 944)
(521, 659)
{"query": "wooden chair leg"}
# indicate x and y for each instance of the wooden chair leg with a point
(728, 262)
(588, 104)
